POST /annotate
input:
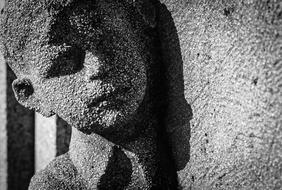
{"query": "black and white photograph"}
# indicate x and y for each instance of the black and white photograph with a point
(140, 94)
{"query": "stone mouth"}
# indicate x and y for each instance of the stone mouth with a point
(108, 97)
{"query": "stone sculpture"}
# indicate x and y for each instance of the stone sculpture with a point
(91, 63)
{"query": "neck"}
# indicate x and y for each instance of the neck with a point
(100, 162)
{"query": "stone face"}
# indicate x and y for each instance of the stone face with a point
(62, 51)
(94, 64)
(78, 79)
(222, 61)
(229, 55)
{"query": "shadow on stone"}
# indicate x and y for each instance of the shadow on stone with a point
(63, 136)
(118, 172)
(179, 112)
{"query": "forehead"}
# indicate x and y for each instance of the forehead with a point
(36, 29)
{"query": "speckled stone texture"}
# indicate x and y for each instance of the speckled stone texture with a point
(225, 63)
(222, 61)
(95, 65)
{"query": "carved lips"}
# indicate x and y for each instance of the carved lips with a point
(109, 98)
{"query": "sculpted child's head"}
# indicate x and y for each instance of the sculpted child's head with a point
(81, 59)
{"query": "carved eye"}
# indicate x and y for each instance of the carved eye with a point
(67, 62)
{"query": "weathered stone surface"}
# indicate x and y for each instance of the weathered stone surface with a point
(231, 66)
(223, 72)
(93, 64)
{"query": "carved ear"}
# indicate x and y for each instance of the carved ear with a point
(147, 10)
(2, 4)
(23, 90)
(24, 93)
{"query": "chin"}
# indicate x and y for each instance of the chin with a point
(105, 119)
(111, 118)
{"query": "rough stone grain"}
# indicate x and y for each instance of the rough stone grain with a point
(230, 61)
(93, 64)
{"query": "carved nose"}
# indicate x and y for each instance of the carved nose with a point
(92, 73)
(93, 67)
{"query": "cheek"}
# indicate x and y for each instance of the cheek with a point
(138, 82)
(139, 79)
(62, 95)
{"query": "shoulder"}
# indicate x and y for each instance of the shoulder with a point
(59, 174)
(44, 180)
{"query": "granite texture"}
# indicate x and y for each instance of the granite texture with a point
(225, 64)
(95, 65)
(212, 79)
